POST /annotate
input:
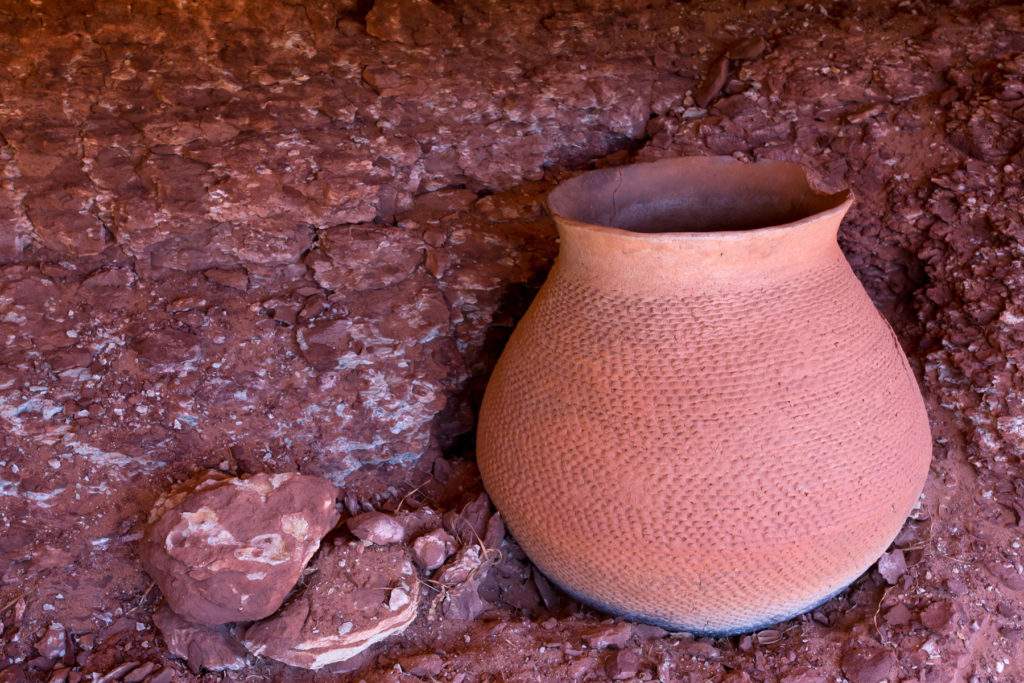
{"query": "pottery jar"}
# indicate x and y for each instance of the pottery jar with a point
(702, 421)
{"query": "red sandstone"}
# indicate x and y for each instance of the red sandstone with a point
(176, 176)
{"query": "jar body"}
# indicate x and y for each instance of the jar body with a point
(711, 436)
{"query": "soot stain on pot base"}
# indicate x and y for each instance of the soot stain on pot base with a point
(696, 629)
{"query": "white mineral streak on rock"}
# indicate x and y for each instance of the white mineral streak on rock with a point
(203, 522)
(276, 480)
(40, 498)
(265, 548)
(399, 599)
(295, 525)
(103, 458)
(330, 649)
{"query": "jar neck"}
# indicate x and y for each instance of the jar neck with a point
(661, 263)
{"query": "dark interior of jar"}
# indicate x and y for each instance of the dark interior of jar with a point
(692, 194)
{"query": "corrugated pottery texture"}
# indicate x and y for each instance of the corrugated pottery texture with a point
(710, 431)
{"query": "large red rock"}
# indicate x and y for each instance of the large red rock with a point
(227, 549)
(357, 596)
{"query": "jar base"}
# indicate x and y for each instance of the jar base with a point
(675, 627)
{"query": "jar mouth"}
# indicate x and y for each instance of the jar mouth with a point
(693, 195)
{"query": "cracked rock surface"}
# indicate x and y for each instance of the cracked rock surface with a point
(293, 237)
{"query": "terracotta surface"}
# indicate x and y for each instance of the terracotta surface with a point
(241, 164)
(702, 421)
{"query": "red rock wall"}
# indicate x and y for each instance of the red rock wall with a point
(291, 235)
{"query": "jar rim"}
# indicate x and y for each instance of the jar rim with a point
(697, 197)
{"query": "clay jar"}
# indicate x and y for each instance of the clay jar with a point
(702, 421)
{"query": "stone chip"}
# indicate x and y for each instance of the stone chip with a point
(432, 549)
(203, 647)
(611, 635)
(376, 527)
